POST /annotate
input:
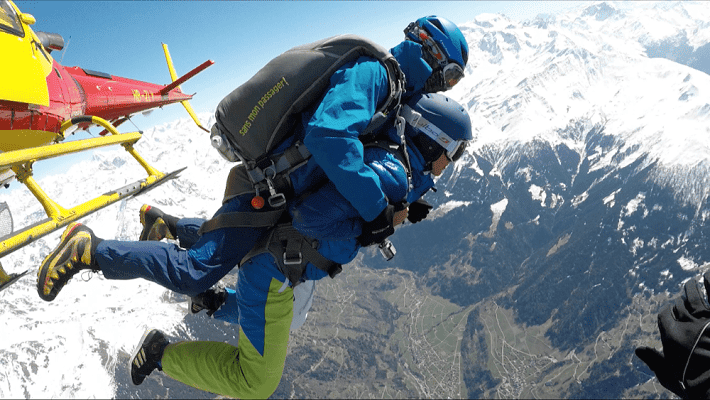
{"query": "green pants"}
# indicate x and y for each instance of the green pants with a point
(253, 369)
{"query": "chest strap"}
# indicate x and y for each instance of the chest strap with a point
(271, 166)
(292, 252)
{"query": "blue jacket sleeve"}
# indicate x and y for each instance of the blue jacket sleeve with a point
(332, 133)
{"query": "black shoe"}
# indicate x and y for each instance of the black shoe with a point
(75, 252)
(210, 300)
(154, 224)
(195, 305)
(146, 357)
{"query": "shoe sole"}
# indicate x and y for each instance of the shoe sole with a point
(42, 273)
(135, 354)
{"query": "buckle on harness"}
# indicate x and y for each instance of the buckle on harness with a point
(276, 199)
(293, 259)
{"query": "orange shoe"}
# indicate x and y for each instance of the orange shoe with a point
(75, 252)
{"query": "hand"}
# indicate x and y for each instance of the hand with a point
(684, 365)
(211, 300)
(400, 216)
(418, 211)
(379, 228)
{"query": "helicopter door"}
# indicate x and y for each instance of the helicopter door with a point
(23, 79)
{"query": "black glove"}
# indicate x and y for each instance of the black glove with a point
(378, 229)
(211, 300)
(684, 365)
(418, 211)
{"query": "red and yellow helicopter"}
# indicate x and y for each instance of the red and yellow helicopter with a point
(42, 102)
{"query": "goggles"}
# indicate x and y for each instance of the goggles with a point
(451, 72)
(454, 155)
(454, 149)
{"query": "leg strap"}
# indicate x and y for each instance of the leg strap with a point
(292, 252)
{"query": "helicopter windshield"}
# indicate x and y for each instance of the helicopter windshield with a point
(9, 20)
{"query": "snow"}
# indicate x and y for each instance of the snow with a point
(538, 194)
(498, 208)
(474, 166)
(524, 171)
(633, 205)
(579, 68)
(687, 264)
(446, 208)
(577, 200)
(555, 200)
(609, 200)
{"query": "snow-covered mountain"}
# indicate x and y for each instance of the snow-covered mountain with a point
(582, 205)
(527, 81)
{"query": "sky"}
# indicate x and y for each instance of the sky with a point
(124, 38)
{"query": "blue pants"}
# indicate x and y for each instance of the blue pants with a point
(188, 271)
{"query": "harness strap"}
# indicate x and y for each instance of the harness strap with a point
(400, 153)
(241, 219)
(291, 158)
(292, 252)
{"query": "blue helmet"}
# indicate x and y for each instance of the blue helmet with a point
(446, 50)
(445, 34)
(436, 125)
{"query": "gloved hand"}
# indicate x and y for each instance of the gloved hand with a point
(211, 300)
(418, 211)
(379, 228)
(684, 365)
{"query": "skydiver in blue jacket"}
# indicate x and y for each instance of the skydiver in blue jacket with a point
(432, 59)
